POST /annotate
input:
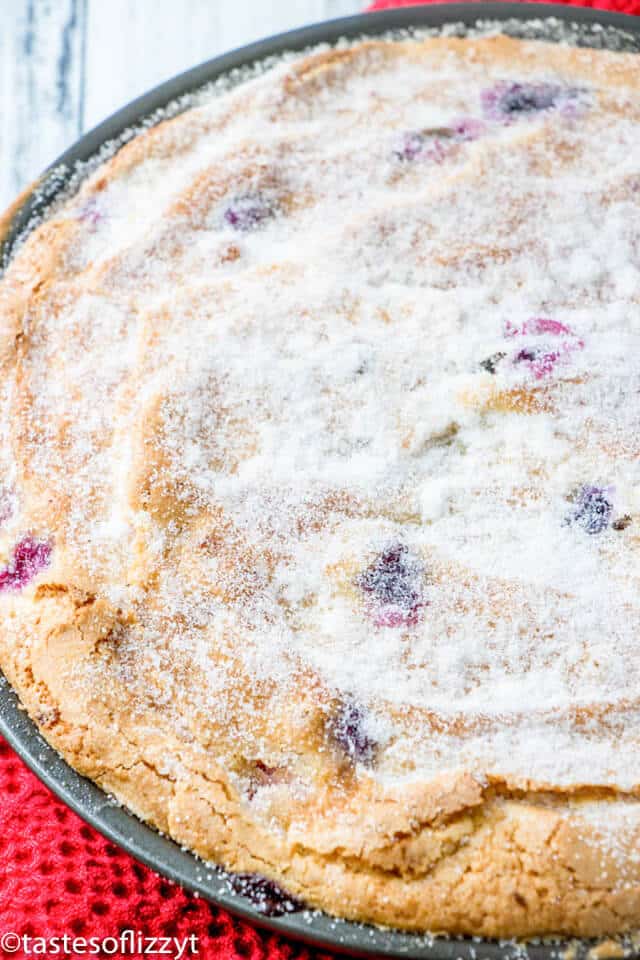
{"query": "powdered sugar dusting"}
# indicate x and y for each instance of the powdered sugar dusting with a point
(312, 404)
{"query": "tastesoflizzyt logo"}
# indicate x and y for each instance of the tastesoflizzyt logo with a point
(128, 942)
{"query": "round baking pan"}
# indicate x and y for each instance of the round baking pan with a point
(593, 28)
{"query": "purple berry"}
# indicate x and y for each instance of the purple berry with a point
(30, 556)
(509, 101)
(346, 729)
(267, 896)
(528, 97)
(537, 326)
(249, 212)
(539, 360)
(392, 584)
(592, 511)
(390, 578)
(434, 143)
(542, 356)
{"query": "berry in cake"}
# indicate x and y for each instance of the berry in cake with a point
(436, 143)
(392, 585)
(537, 326)
(30, 557)
(267, 896)
(249, 211)
(591, 510)
(508, 101)
(539, 359)
(549, 342)
(347, 731)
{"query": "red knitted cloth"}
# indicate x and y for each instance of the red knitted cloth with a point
(58, 876)
(618, 6)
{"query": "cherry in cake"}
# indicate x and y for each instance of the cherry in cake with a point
(30, 557)
(548, 342)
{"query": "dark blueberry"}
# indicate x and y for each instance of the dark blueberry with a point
(30, 556)
(592, 511)
(346, 729)
(267, 896)
(491, 363)
(393, 577)
(528, 97)
(511, 100)
(249, 211)
(392, 585)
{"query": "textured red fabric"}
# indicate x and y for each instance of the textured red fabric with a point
(58, 876)
(618, 6)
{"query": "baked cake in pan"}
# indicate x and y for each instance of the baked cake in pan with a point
(321, 483)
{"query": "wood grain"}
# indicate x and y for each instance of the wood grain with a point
(67, 64)
(41, 86)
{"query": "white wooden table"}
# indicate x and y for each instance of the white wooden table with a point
(67, 64)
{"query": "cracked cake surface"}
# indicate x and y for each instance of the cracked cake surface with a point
(320, 492)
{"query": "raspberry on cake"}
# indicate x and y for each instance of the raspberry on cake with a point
(321, 494)
(28, 559)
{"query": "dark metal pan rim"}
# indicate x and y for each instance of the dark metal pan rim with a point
(593, 27)
(612, 30)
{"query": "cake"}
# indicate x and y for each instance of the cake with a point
(321, 483)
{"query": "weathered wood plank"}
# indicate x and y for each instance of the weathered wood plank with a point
(163, 37)
(242, 22)
(133, 46)
(341, 8)
(41, 86)
(66, 64)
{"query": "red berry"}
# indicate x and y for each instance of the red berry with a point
(30, 556)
